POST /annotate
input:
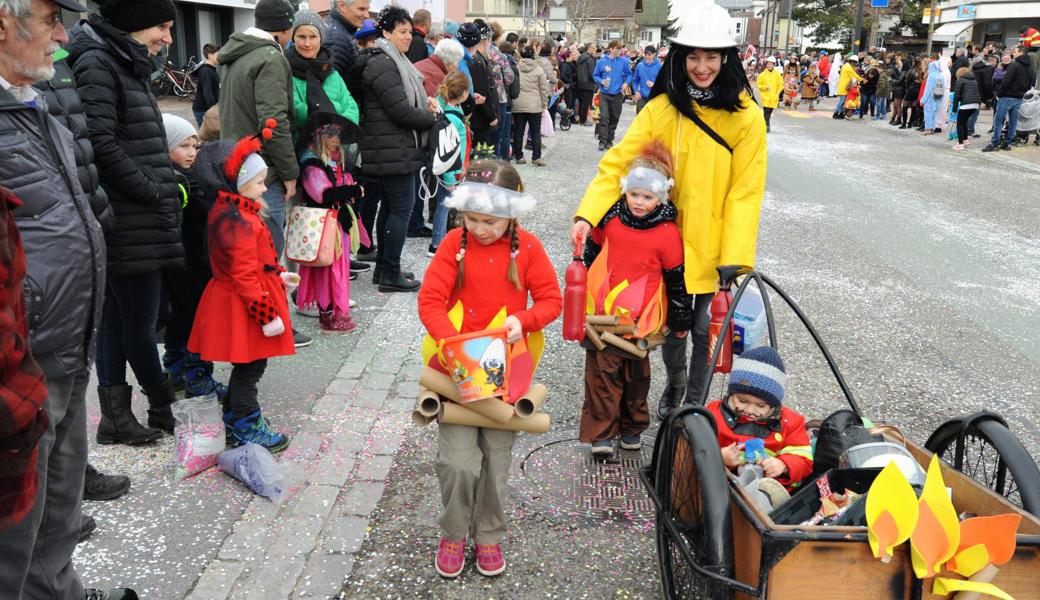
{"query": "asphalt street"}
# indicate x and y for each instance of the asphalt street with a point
(920, 267)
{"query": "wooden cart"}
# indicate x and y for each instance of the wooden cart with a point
(714, 542)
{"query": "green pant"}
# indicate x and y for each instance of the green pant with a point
(472, 467)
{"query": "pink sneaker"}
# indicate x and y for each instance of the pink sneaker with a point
(336, 323)
(451, 557)
(490, 561)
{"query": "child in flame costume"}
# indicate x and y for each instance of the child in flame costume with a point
(243, 317)
(635, 259)
(481, 277)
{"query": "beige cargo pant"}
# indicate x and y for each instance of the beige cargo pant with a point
(472, 467)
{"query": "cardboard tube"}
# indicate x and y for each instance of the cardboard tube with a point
(617, 329)
(531, 402)
(627, 346)
(590, 332)
(492, 408)
(601, 320)
(420, 419)
(438, 382)
(429, 403)
(650, 342)
(456, 414)
(985, 575)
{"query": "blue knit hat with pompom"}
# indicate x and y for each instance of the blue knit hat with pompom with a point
(759, 372)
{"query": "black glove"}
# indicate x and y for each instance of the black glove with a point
(680, 302)
(592, 250)
(343, 194)
(345, 218)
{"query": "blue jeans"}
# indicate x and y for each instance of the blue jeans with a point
(440, 217)
(275, 199)
(505, 133)
(199, 116)
(396, 197)
(840, 108)
(1006, 107)
(971, 121)
(127, 331)
(866, 104)
(882, 107)
(415, 224)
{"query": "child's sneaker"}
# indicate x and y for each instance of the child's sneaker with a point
(603, 447)
(631, 442)
(199, 382)
(451, 557)
(490, 561)
(332, 323)
(254, 429)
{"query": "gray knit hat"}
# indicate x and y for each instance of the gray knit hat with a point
(309, 17)
(177, 130)
(273, 15)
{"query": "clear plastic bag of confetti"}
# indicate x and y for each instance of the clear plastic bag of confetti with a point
(254, 466)
(198, 434)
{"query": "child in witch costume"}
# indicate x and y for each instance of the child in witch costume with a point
(243, 317)
(636, 260)
(327, 183)
(485, 268)
(753, 408)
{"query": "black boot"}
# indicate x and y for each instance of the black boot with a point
(118, 424)
(674, 391)
(87, 525)
(97, 486)
(116, 594)
(377, 275)
(400, 283)
(160, 398)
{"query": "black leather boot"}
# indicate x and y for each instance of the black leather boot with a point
(674, 392)
(398, 284)
(118, 424)
(377, 274)
(97, 486)
(160, 398)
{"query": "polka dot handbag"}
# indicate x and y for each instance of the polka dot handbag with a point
(313, 238)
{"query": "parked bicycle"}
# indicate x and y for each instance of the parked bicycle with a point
(177, 82)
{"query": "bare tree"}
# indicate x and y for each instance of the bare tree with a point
(582, 13)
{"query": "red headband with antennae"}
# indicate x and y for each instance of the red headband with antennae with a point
(247, 146)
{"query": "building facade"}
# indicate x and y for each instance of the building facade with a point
(981, 22)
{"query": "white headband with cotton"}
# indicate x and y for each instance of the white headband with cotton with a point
(488, 199)
(651, 180)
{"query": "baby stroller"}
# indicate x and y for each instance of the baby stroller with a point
(1028, 119)
(566, 113)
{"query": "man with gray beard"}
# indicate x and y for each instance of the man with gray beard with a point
(65, 252)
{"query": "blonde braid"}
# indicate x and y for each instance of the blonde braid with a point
(514, 252)
(460, 273)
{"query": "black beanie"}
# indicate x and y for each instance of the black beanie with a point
(273, 15)
(135, 15)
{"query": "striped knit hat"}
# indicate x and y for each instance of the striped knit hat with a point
(759, 372)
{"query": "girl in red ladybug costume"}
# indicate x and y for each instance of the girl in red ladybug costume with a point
(243, 317)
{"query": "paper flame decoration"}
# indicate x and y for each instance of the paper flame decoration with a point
(624, 298)
(523, 355)
(891, 512)
(935, 539)
(894, 514)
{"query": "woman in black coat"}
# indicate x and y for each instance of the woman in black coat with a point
(912, 86)
(110, 56)
(897, 71)
(968, 100)
(396, 117)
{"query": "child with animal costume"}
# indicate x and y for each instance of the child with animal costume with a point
(243, 317)
(752, 409)
(635, 255)
(483, 272)
(326, 182)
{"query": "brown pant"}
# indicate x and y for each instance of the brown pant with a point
(615, 396)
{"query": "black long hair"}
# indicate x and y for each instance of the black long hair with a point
(727, 88)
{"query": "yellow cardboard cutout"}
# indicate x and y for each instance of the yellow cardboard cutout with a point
(945, 587)
(891, 511)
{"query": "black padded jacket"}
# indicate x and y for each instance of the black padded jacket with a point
(126, 130)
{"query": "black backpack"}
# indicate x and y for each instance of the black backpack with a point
(839, 432)
(444, 148)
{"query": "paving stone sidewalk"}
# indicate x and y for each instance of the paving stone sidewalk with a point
(305, 547)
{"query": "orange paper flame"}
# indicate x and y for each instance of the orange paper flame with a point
(996, 534)
(938, 533)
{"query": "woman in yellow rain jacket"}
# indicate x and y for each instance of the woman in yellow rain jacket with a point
(770, 84)
(719, 176)
(848, 73)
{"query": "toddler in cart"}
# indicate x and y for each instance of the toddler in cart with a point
(753, 410)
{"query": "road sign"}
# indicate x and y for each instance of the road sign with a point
(878, 3)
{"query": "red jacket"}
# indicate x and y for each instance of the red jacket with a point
(786, 439)
(246, 291)
(825, 67)
(433, 72)
(486, 287)
(22, 387)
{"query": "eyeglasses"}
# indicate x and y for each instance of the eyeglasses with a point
(51, 21)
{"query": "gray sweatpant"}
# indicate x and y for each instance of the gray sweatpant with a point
(472, 468)
(673, 353)
(36, 554)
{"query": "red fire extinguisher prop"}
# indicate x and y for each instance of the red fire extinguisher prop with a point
(719, 307)
(576, 280)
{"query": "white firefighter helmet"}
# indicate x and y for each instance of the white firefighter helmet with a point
(701, 24)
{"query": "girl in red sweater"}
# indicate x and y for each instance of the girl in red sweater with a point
(243, 317)
(488, 264)
(639, 247)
